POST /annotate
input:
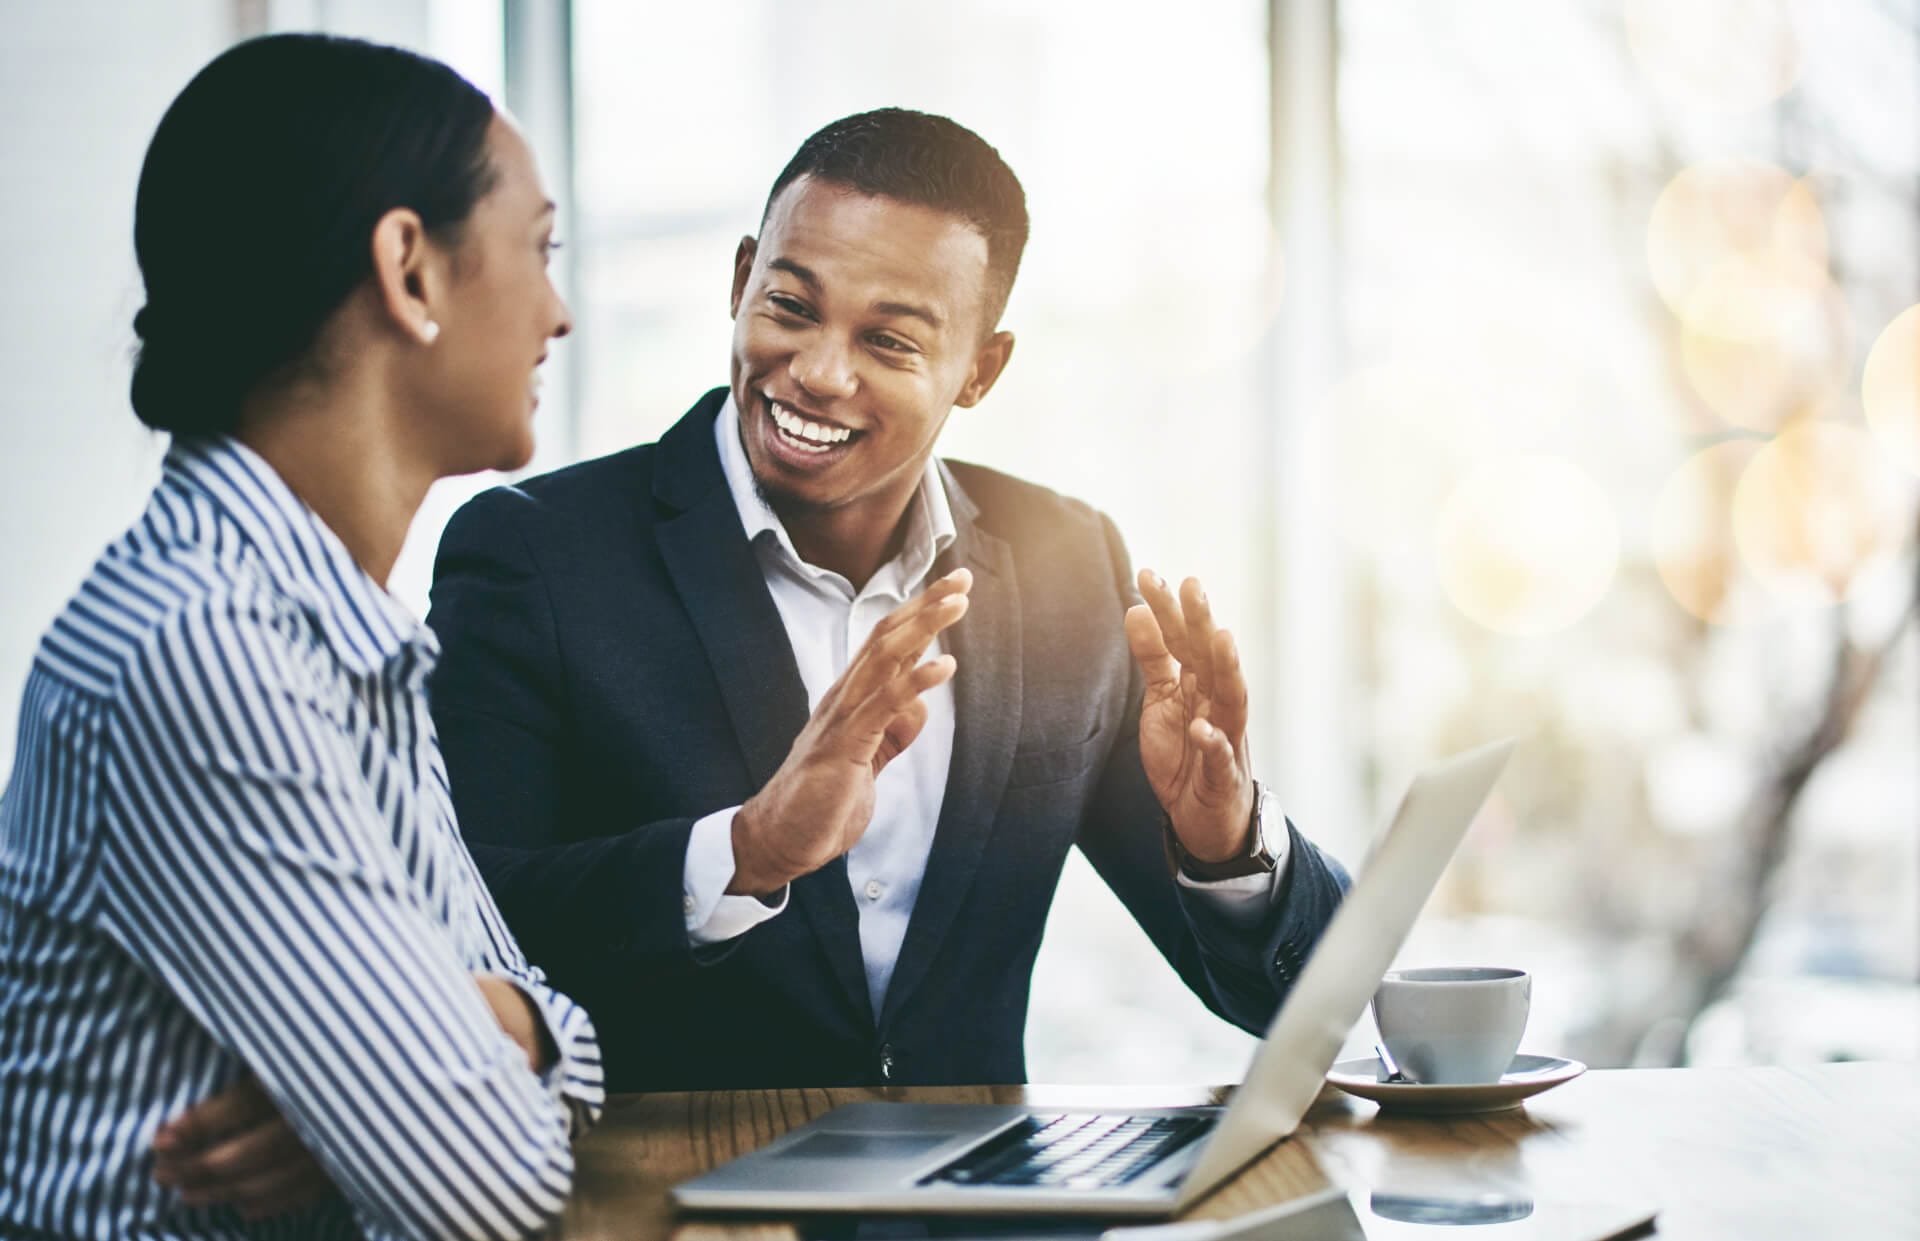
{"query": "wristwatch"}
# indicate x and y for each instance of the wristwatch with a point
(1257, 860)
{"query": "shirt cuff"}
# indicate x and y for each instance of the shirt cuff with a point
(713, 916)
(576, 1078)
(1246, 898)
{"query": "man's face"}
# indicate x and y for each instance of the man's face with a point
(858, 326)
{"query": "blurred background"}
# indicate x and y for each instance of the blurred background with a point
(1546, 367)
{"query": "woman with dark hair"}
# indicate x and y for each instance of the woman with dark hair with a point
(247, 968)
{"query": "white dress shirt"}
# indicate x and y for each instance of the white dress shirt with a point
(826, 621)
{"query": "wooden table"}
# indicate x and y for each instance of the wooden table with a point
(1824, 1152)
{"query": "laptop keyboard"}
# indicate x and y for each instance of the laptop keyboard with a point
(1073, 1151)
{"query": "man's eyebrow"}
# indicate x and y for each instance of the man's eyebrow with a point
(915, 312)
(805, 276)
(802, 274)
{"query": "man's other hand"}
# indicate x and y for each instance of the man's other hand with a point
(1193, 721)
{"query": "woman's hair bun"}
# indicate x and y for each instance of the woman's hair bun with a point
(173, 390)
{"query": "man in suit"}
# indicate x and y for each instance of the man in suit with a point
(771, 737)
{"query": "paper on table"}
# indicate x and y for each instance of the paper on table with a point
(1325, 1216)
(1337, 1215)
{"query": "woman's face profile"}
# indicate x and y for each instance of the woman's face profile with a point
(501, 313)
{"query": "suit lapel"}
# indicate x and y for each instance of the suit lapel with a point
(987, 691)
(720, 584)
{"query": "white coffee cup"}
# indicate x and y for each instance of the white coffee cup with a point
(1453, 1025)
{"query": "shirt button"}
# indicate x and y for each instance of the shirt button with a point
(687, 903)
(875, 889)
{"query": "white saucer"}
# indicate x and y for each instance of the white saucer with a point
(1525, 1077)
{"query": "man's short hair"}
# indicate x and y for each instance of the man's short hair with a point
(916, 157)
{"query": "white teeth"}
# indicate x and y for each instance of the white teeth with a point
(804, 433)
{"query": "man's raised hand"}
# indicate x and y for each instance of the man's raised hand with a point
(817, 806)
(1193, 721)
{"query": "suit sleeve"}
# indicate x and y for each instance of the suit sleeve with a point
(1240, 968)
(570, 887)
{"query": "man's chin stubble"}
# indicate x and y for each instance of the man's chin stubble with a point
(783, 501)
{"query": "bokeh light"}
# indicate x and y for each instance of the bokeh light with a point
(1815, 509)
(1765, 340)
(1405, 428)
(1692, 537)
(1728, 209)
(1527, 545)
(1220, 287)
(1890, 389)
(1715, 55)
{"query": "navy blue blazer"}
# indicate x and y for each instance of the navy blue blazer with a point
(614, 668)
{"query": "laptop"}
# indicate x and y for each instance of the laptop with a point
(967, 1159)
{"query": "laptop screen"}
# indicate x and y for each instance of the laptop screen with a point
(1345, 968)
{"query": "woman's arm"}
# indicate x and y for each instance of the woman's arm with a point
(248, 865)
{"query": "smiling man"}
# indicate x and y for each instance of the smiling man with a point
(772, 737)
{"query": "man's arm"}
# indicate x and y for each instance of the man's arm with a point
(651, 890)
(504, 723)
(1239, 952)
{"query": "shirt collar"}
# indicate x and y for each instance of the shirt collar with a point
(930, 525)
(364, 625)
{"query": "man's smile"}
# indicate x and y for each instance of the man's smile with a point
(803, 440)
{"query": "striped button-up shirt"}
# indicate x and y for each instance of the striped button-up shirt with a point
(228, 848)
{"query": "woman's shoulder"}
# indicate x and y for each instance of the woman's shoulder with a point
(161, 591)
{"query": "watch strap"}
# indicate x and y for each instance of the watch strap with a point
(1257, 860)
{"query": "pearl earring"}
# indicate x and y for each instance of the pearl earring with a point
(430, 331)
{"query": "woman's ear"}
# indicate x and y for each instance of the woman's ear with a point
(408, 273)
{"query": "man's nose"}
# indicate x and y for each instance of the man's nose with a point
(824, 368)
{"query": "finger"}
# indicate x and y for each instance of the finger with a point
(248, 1154)
(898, 641)
(957, 581)
(281, 1190)
(932, 610)
(271, 1189)
(927, 612)
(900, 652)
(875, 717)
(1149, 649)
(238, 1107)
(914, 610)
(1219, 774)
(1200, 629)
(900, 732)
(1166, 611)
(1229, 698)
